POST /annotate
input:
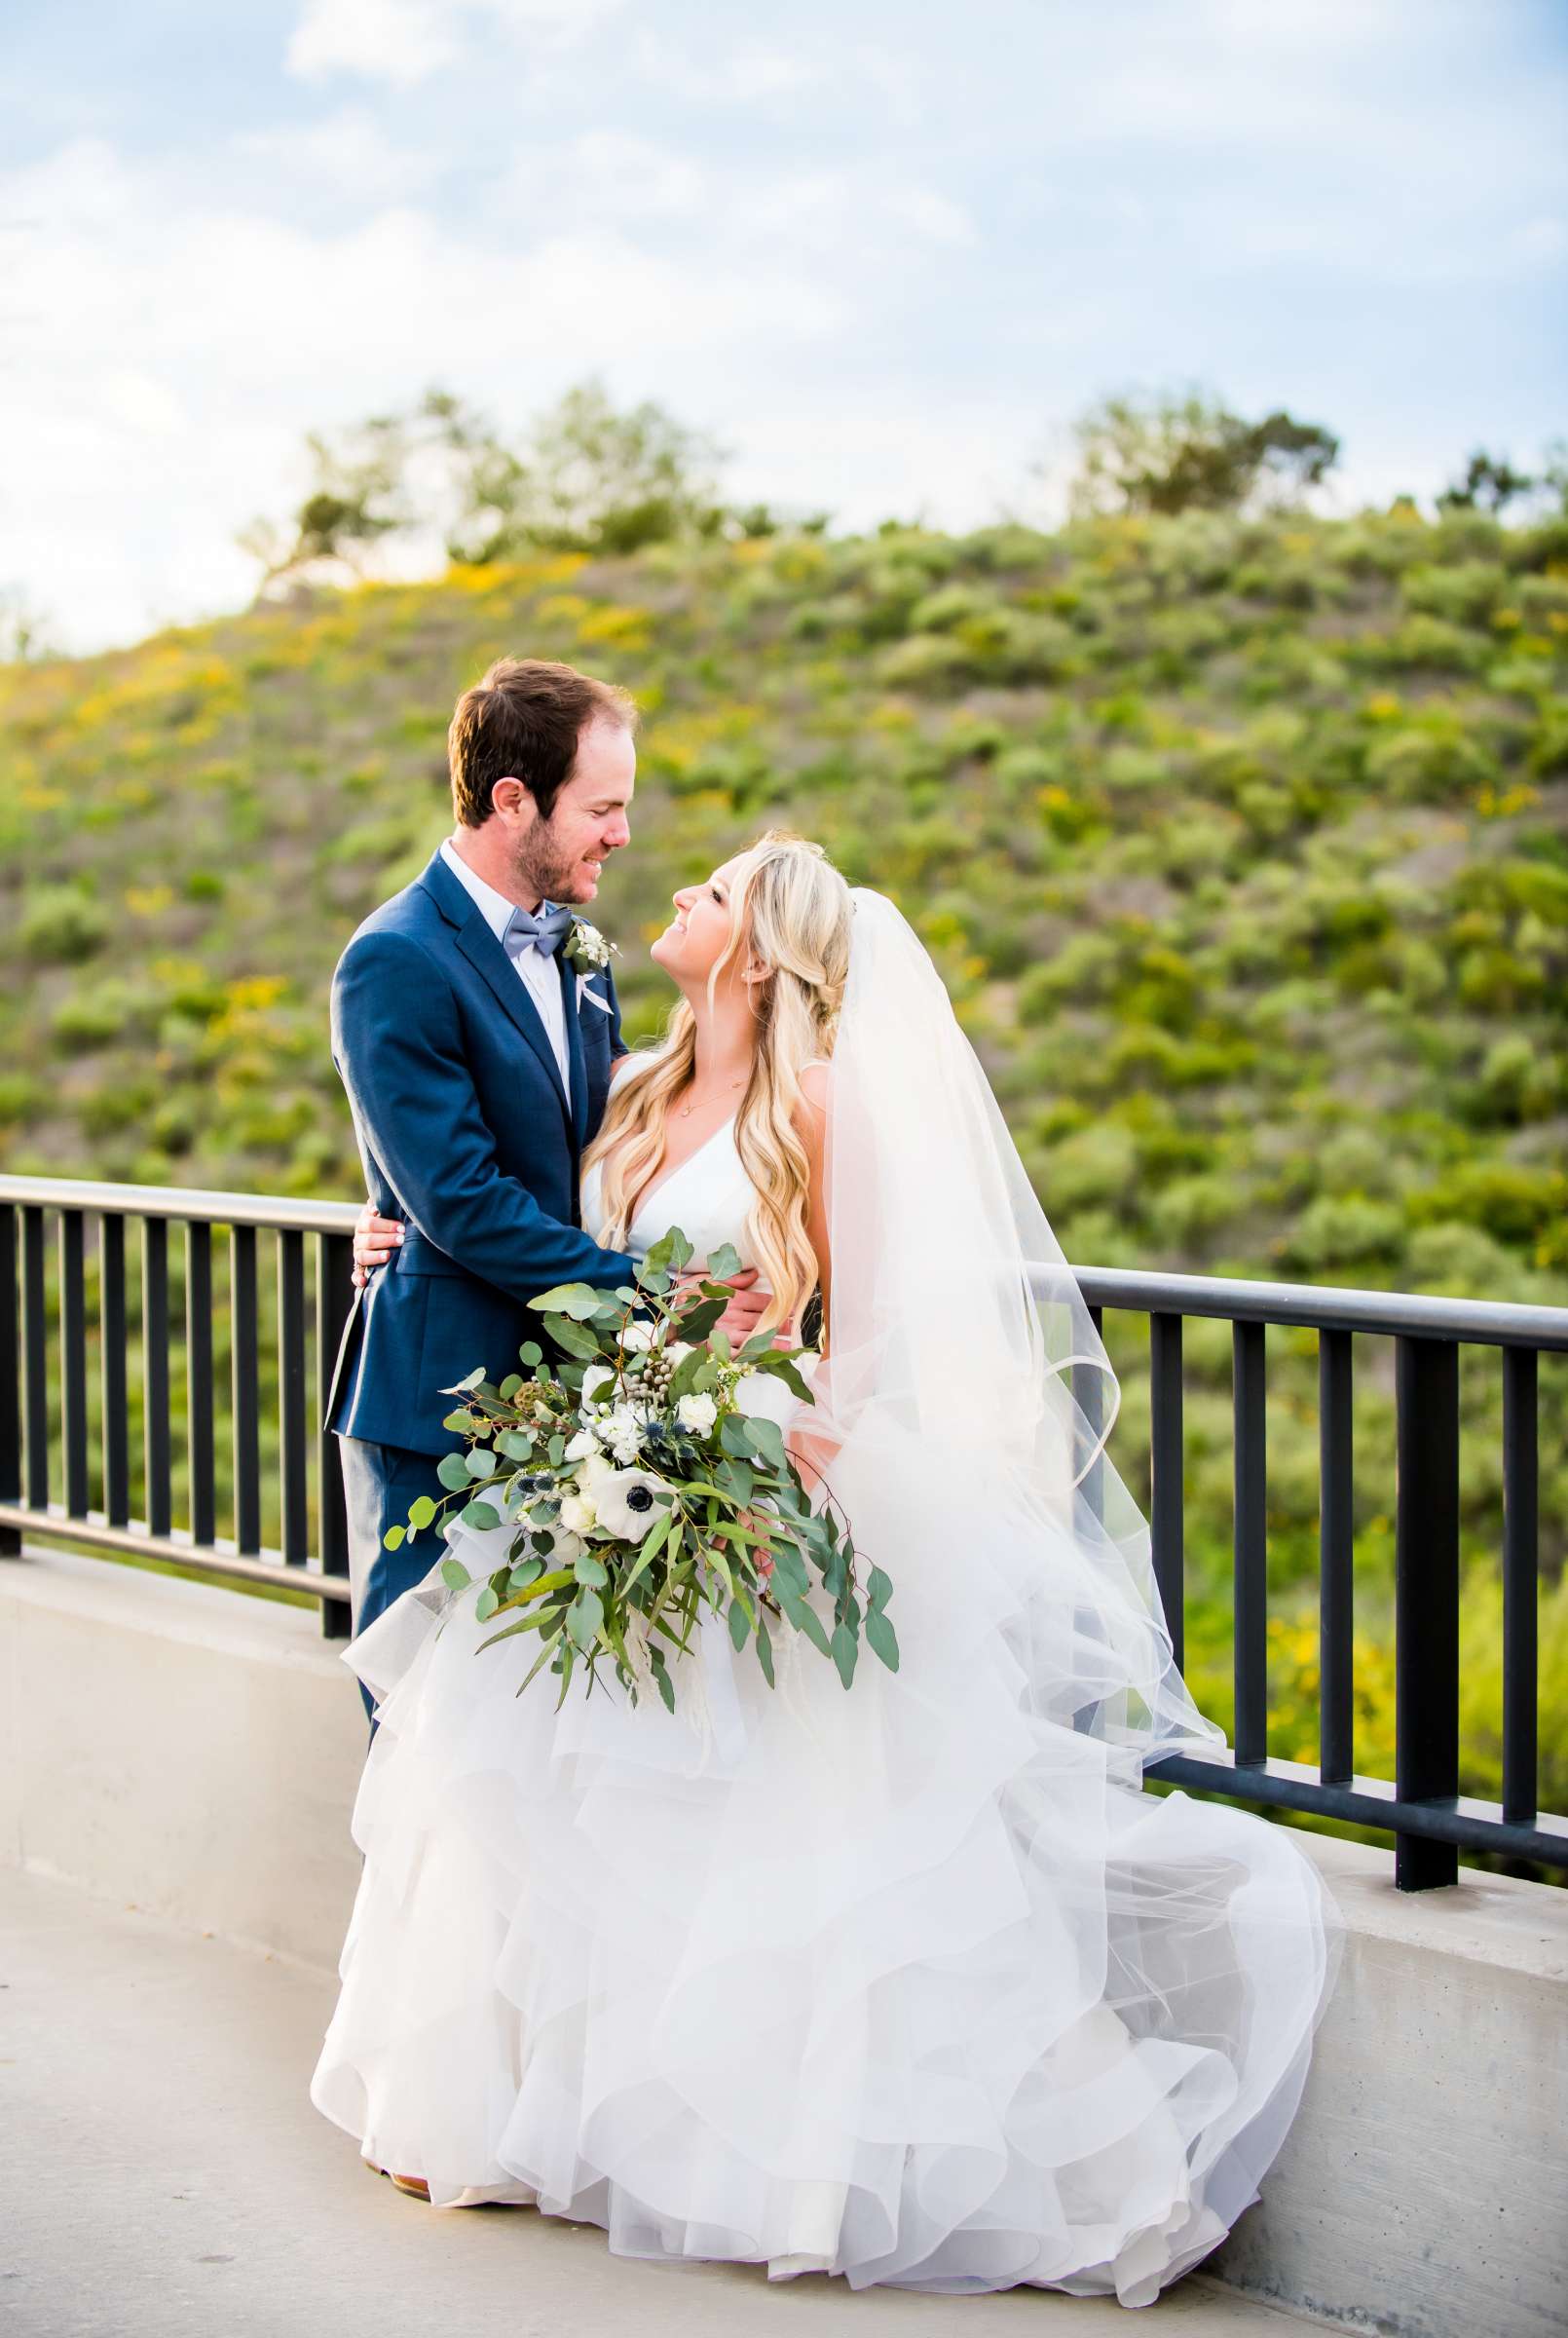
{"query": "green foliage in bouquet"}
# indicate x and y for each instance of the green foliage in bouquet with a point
(639, 1488)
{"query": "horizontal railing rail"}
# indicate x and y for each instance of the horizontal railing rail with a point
(88, 1456)
(72, 1468)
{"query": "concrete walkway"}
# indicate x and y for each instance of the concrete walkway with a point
(163, 2175)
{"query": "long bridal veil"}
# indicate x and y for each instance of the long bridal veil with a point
(959, 1340)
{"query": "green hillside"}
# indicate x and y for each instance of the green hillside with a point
(1243, 845)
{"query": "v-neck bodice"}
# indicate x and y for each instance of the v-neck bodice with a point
(708, 1195)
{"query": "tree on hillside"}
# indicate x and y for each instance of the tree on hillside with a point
(1187, 452)
(23, 628)
(587, 476)
(358, 496)
(590, 478)
(1489, 484)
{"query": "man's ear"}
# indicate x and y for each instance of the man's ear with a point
(510, 796)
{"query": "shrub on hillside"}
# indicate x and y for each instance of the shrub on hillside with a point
(61, 925)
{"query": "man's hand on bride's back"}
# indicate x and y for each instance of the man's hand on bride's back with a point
(375, 1241)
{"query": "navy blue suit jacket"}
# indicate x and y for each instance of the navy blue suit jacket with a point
(467, 1134)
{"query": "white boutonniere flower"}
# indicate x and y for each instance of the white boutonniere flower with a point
(586, 949)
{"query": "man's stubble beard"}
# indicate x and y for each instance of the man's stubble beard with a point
(539, 869)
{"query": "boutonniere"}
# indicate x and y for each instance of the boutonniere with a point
(586, 949)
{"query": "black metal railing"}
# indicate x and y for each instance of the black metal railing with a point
(1421, 1804)
(141, 1377)
(141, 1438)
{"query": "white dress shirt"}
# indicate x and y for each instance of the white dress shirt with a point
(539, 973)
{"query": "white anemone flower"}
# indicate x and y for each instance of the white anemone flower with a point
(627, 1504)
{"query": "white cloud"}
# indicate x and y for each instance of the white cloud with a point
(406, 41)
(345, 154)
(400, 41)
(232, 332)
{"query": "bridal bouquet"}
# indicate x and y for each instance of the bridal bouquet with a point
(639, 1488)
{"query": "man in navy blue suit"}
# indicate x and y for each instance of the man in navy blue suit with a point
(477, 1058)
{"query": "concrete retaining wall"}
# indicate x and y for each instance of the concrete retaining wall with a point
(195, 1754)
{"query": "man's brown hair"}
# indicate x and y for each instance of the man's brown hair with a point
(523, 722)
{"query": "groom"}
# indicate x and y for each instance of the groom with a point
(475, 1025)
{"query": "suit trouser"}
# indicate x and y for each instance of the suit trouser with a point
(378, 1482)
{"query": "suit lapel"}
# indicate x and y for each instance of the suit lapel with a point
(572, 1014)
(489, 961)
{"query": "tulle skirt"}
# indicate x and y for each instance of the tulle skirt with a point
(910, 1984)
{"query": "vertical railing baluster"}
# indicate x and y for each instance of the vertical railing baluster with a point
(1426, 1597)
(294, 1538)
(1336, 1555)
(35, 1343)
(155, 1372)
(1521, 1499)
(10, 1379)
(1167, 1508)
(1089, 1393)
(334, 1297)
(247, 1405)
(114, 1332)
(73, 1358)
(1250, 1544)
(198, 1381)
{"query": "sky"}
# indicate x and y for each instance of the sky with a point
(884, 251)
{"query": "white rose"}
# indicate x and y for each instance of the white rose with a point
(565, 1548)
(597, 1377)
(579, 1515)
(592, 1473)
(627, 1504)
(678, 1350)
(583, 1446)
(697, 1414)
(637, 1339)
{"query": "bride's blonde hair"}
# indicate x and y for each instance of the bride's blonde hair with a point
(790, 907)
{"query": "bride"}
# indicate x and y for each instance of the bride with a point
(913, 1984)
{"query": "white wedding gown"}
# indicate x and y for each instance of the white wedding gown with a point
(904, 1983)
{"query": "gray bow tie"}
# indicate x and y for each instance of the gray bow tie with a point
(544, 932)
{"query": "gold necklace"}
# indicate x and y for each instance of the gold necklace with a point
(684, 1111)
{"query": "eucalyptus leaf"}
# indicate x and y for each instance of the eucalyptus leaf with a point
(531, 1353)
(421, 1512)
(455, 1575)
(724, 1261)
(472, 1379)
(453, 1471)
(739, 1625)
(766, 1438)
(577, 1300)
(764, 1653)
(583, 1618)
(459, 1422)
(881, 1638)
(483, 1517)
(510, 1386)
(480, 1462)
(591, 1570)
(575, 1338)
(485, 1605)
(878, 1590)
(394, 1539)
(844, 1649)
